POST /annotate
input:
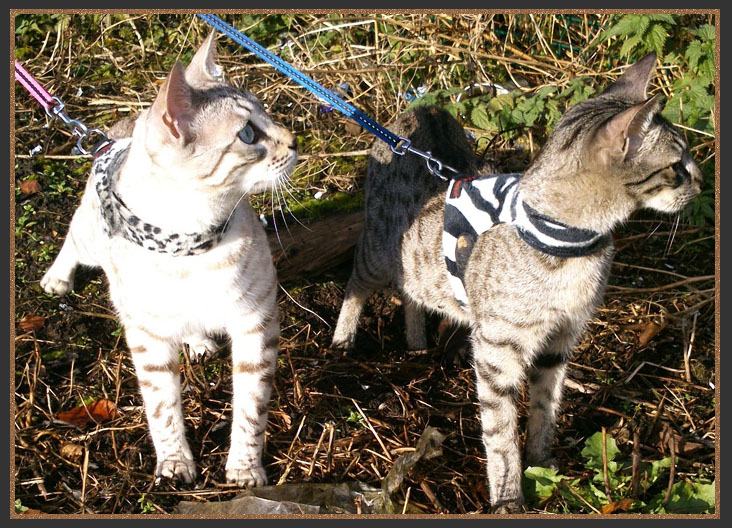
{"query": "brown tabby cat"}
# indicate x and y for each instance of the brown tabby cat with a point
(527, 307)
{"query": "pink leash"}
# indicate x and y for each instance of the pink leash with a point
(55, 108)
(38, 92)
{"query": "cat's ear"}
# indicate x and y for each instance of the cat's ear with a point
(621, 137)
(172, 113)
(203, 68)
(632, 85)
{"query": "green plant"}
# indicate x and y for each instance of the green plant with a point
(19, 508)
(589, 494)
(647, 31)
(145, 505)
(356, 417)
(25, 220)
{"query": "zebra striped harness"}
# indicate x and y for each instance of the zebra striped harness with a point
(475, 204)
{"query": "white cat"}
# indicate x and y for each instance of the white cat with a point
(185, 256)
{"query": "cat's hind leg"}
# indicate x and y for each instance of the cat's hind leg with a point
(414, 319)
(369, 275)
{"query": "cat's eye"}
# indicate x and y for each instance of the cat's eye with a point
(247, 135)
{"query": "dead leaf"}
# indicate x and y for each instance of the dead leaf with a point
(30, 187)
(31, 322)
(71, 451)
(31, 511)
(97, 412)
(649, 332)
(682, 445)
(621, 505)
(352, 128)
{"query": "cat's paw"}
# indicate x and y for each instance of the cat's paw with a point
(416, 343)
(200, 348)
(251, 477)
(341, 348)
(547, 462)
(56, 286)
(178, 469)
(508, 508)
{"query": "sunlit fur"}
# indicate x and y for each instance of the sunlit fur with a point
(188, 171)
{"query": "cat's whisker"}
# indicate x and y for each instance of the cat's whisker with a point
(672, 235)
(658, 225)
(231, 214)
(284, 188)
(281, 199)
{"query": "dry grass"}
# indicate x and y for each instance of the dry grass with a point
(646, 365)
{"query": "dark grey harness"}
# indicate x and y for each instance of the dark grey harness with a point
(474, 205)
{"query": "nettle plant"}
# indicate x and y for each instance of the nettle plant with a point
(687, 69)
(606, 485)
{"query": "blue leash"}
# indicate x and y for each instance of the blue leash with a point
(399, 145)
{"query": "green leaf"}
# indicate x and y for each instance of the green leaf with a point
(592, 451)
(651, 472)
(541, 482)
(693, 54)
(626, 26)
(686, 497)
(480, 118)
(657, 36)
(660, 17)
(705, 32)
(642, 26)
(629, 44)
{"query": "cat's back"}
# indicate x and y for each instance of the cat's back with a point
(399, 186)
(429, 129)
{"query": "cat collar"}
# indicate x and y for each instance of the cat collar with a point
(475, 204)
(120, 221)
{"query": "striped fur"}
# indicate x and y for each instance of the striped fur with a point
(186, 170)
(607, 157)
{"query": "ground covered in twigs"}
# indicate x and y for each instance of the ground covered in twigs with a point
(644, 372)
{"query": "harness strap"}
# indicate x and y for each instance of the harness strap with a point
(475, 204)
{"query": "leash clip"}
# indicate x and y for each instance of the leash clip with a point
(434, 165)
(78, 128)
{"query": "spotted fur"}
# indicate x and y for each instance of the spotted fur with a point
(183, 170)
(607, 157)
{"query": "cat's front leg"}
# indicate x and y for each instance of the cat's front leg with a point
(81, 247)
(546, 381)
(254, 346)
(499, 374)
(59, 279)
(157, 367)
